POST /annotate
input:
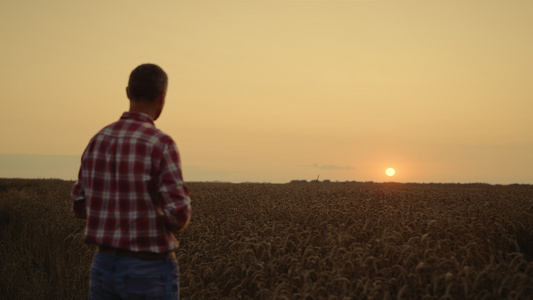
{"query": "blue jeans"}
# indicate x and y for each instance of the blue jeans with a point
(116, 277)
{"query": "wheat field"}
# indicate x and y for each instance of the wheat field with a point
(296, 241)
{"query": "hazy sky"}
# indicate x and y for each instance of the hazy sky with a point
(271, 91)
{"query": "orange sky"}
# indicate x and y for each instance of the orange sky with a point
(271, 91)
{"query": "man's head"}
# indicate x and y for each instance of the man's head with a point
(147, 88)
(146, 83)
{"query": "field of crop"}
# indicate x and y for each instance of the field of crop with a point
(296, 241)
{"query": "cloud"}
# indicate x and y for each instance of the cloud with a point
(332, 167)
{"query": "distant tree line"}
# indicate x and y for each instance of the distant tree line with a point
(325, 181)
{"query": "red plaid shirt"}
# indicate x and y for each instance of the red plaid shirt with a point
(130, 187)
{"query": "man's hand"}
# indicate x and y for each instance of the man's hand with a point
(174, 228)
(79, 209)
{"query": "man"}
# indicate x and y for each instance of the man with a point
(131, 192)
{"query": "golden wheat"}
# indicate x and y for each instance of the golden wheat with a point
(296, 241)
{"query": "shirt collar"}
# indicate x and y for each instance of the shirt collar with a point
(137, 116)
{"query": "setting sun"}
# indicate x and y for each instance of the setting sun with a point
(390, 172)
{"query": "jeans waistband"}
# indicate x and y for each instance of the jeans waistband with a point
(140, 255)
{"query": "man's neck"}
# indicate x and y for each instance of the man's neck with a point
(143, 107)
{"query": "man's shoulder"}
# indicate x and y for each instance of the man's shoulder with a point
(140, 131)
(149, 133)
(157, 135)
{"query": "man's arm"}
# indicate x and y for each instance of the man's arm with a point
(175, 207)
(78, 199)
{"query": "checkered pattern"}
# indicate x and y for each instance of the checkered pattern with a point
(129, 171)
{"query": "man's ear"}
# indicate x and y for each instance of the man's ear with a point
(160, 102)
(162, 97)
(128, 92)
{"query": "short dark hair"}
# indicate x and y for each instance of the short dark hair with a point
(147, 82)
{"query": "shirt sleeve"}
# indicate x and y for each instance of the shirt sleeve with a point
(174, 195)
(78, 198)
